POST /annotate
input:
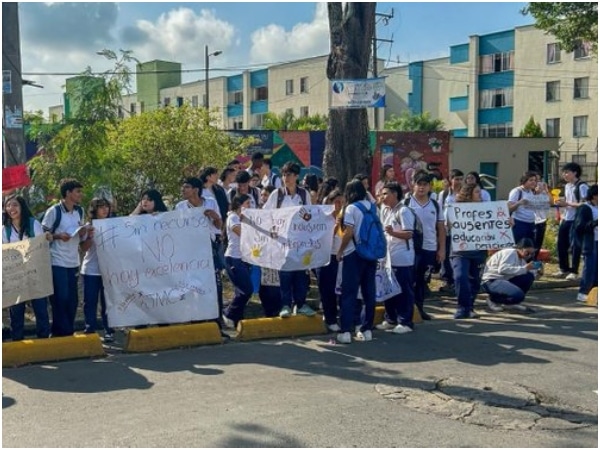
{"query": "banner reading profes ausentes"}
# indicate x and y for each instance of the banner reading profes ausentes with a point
(480, 226)
(157, 268)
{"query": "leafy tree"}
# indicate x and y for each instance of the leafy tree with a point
(158, 148)
(413, 122)
(288, 122)
(315, 122)
(351, 28)
(531, 129)
(38, 130)
(570, 22)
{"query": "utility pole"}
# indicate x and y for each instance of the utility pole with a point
(386, 18)
(12, 87)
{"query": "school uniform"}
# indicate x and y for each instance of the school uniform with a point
(564, 231)
(326, 281)
(506, 278)
(523, 216)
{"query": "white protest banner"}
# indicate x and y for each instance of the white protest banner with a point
(358, 93)
(26, 271)
(539, 202)
(157, 268)
(480, 226)
(386, 285)
(293, 238)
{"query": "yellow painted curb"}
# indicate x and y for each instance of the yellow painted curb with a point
(380, 311)
(592, 298)
(172, 336)
(276, 327)
(54, 349)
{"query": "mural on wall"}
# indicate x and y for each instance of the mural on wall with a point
(409, 152)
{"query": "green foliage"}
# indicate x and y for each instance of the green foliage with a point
(413, 122)
(288, 122)
(570, 22)
(38, 130)
(532, 129)
(551, 238)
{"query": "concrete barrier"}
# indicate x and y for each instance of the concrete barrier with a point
(592, 298)
(380, 311)
(54, 349)
(275, 327)
(172, 336)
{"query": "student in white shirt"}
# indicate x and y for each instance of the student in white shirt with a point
(17, 224)
(518, 201)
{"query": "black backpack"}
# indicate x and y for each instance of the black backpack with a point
(417, 231)
(281, 193)
(577, 191)
(58, 216)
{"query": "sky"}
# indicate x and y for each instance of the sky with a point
(64, 37)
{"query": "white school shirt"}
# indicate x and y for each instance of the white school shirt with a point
(90, 265)
(233, 247)
(402, 251)
(353, 217)
(429, 218)
(14, 234)
(64, 254)
(570, 198)
(288, 200)
(522, 213)
(208, 203)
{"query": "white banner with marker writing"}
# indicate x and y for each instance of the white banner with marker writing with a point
(157, 268)
(480, 226)
(287, 239)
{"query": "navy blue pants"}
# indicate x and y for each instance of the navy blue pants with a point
(590, 271)
(240, 273)
(467, 280)
(523, 230)
(446, 273)
(357, 272)
(17, 319)
(509, 292)
(399, 309)
(64, 301)
(424, 264)
(93, 289)
(326, 279)
(564, 248)
(294, 287)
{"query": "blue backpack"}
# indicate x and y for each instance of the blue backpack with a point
(371, 245)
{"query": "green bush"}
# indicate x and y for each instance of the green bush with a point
(551, 237)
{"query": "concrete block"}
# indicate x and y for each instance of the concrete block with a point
(172, 336)
(276, 327)
(380, 311)
(54, 349)
(592, 298)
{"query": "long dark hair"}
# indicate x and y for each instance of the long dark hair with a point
(26, 216)
(383, 172)
(156, 197)
(355, 191)
(96, 203)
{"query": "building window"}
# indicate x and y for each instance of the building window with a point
(579, 158)
(553, 91)
(582, 50)
(179, 102)
(258, 120)
(497, 62)
(236, 98)
(553, 53)
(580, 126)
(195, 101)
(552, 127)
(304, 111)
(499, 130)
(237, 123)
(167, 101)
(289, 87)
(580, 87)
(495, 98)
(304, 85)
(132, 109)
(261, 94)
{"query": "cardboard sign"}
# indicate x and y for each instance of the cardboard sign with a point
(26, 271)
(288, 239)
(480, 226)
(157, 268)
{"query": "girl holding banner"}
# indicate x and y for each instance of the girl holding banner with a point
(17, 224)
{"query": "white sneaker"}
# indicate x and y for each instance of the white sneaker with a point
(334, 327)
(385, 325)
(401, 329)
(364, 336)
(228, 322)
(344, 338)
(559, 274)
(494, 307)
(581, 298)
(572, 277)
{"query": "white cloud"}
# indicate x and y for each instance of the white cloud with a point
(273, 43)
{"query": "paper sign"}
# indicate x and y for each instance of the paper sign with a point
(386, 285)
(480, 226)
(157, 268)
(26, 271)
(288, 239)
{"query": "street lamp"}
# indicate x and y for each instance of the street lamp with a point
(206, 56)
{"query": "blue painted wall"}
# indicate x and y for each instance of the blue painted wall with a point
(235, 110)
(235, 83)
(259, 107)
(496, 80)
(497, 42)
(259, 78)
(495, 115)
(415, 74)
(460, 132)
(459, 103)
(459, 53)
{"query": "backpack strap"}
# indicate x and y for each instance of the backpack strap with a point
(8, 231)
(577, 190)
(281, 194)
(31, 231)
(57, 217)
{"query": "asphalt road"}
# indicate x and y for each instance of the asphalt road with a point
(503, 380)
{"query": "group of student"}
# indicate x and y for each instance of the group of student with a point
(413, 223)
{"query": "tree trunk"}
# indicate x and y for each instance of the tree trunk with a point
(347, 137)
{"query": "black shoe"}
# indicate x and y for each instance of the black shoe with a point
(225, 336)
(425, 316)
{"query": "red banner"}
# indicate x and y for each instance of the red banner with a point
(14, 177)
